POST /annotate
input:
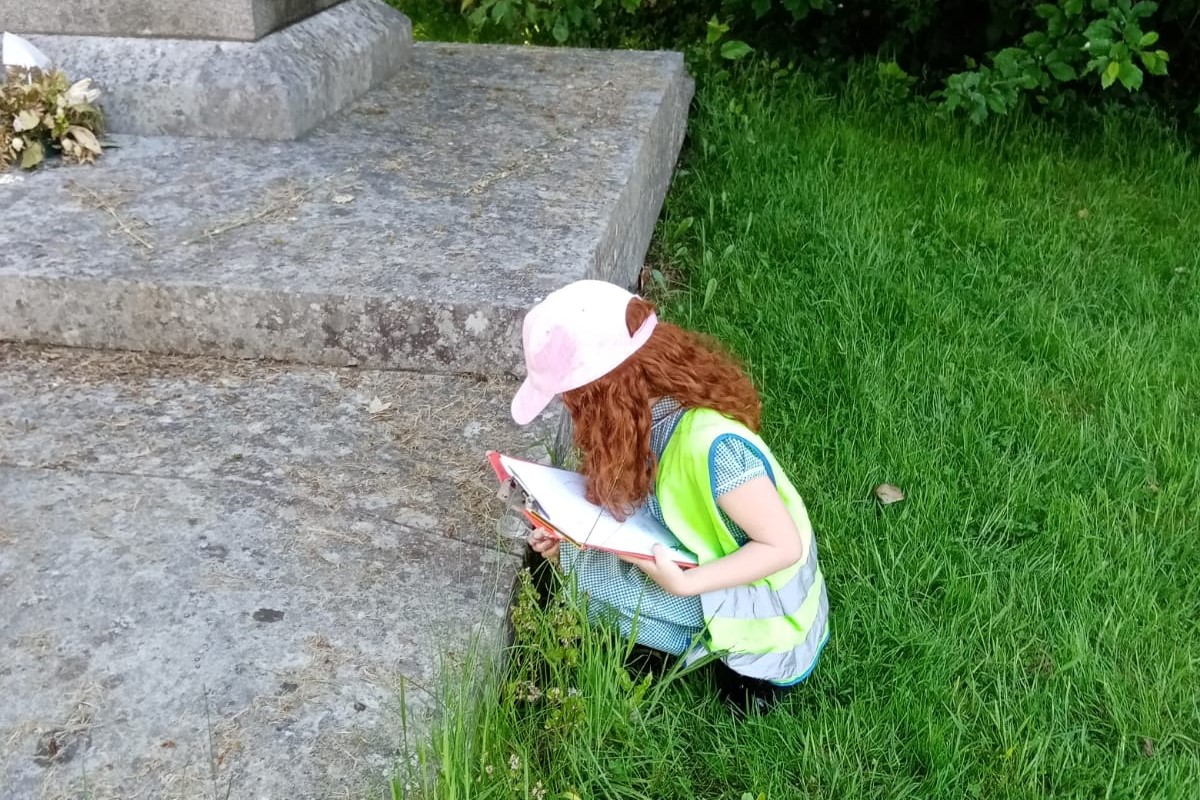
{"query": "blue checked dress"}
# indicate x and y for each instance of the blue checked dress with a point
(663, 621)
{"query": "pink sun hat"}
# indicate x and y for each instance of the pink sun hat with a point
(573, 337)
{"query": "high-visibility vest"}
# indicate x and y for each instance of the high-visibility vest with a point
(774, 628)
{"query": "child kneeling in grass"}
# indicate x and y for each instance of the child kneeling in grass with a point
(663, 417)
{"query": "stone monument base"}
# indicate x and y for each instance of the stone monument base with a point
(241, 579)
(411, 229)
(239, 20)
(278, 87)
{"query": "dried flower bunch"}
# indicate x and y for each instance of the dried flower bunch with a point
(41, 110)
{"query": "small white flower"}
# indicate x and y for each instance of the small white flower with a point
(81, 92)
(514, 762)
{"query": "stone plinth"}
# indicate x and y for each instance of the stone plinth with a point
(242, 20)
(278, 87)
(412, 231)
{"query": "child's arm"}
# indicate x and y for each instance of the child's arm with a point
(774, 544)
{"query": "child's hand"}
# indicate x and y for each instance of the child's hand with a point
(544, 544)
(663, 571)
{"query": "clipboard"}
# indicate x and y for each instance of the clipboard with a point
(552, 500)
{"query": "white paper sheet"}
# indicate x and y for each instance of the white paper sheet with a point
(18, 52)
(560, 494)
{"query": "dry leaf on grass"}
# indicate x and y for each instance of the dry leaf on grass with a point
(887, 494)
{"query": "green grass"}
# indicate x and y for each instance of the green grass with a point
(1006, 324)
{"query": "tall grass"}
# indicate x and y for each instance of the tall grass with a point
(1006, 324)
(561, 716)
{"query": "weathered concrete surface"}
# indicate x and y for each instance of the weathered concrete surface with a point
(219, 574)
(179, 19)
(278, 87)
(412, 231)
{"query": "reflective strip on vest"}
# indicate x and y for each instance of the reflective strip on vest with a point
(759, 601)
(773, 629)
(796, 663)
(775, 632)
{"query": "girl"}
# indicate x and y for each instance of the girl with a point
(665, 418)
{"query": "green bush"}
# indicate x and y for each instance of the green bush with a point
(1101, 40)
(977, 58)
(559, 21)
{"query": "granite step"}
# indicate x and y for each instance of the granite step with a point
(409, 232)
(225, 575)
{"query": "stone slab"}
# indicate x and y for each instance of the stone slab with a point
(219, 575)
(412, 231)
(278, 87)
(244, 20)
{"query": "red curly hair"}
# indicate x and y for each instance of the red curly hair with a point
(612, 414)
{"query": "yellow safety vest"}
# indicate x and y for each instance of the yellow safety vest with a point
(773, 629)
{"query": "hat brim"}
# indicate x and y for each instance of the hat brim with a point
(528, 402)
